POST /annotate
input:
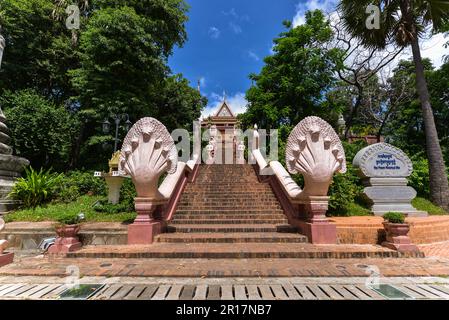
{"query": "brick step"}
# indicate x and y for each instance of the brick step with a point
(250, 189)
(207, 228)
(233, 203)
(219, 207)
(231, 211)
(228, 216)
(265, 237)
(178, 221)
(229, 195)
(240, 251)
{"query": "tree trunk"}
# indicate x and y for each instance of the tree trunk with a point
(354, 111)
(439, 189)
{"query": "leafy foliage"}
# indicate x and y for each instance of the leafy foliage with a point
(53, 212)
(293, 82)
(36, 188)
(115, 63)
(394, 217)
(41, 131)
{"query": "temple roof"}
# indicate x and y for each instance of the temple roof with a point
(224, 111)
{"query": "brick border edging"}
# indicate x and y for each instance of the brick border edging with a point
(422, 230)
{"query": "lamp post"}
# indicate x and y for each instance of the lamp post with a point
(117, 120)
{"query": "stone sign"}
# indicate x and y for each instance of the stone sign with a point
(384, 169)
(383, 160)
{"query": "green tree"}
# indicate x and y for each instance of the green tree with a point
(405, 21)
(295, 79)
(38, 51)
(41, 131)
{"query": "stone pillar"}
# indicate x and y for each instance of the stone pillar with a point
(313, 221)
(147, 152)
(145, 226)
(114, 185)
(314, 150)
(10, 166)
(5, 257)
(384, 170)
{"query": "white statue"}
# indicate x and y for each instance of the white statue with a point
(147, 152)
(3, 243)
(315, 151)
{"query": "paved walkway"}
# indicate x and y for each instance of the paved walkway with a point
(440, 249)
(389, 267)
(131, 288)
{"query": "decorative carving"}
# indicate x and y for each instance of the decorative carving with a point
(384, 170)
(315, 151)
(147, 152)
(3, 243)
(383, 160)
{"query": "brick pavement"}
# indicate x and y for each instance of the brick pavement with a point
(388, 267)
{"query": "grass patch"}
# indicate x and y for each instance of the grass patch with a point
(53, 211)
(352, 209)
(423, 204)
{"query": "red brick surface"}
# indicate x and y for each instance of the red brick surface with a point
(228, 267)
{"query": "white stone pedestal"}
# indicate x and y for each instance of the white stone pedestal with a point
(114, 185)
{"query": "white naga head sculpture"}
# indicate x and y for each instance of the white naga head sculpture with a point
(315, 151)
(147, 152)
(3, 243)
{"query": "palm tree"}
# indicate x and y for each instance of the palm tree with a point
(404, 22)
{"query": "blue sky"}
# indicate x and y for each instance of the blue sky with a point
(228, 39)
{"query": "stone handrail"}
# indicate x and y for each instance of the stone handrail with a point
(148, 152)
(174, 184)
(314, 151)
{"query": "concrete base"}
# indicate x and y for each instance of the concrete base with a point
(64, 245)
(6, 258)
(143, 233)
(318, 233)
(401, 247)
(411, 213)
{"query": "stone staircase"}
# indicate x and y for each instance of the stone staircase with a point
(227, 214)
(227, 204)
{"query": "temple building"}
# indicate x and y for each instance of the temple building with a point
(223, 123)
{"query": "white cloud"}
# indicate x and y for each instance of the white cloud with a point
(302, 7)
(271, 50)
(202, 82)
(253, 55)
(231, 13)
(236, 102)
(214, 32)
(235, 27)
(434, 49)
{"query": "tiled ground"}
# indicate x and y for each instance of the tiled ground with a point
(389, 267)
(132, 288)
(440, 249)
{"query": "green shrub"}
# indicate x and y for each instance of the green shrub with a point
(351, 149)
(419, 178)
(87, 183)
(344, 190)
(36, 188)
(105, 207)
(394, 217)
(75, 184)
(68, 218)
(127, 195)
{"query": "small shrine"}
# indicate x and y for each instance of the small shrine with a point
(224, 124)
